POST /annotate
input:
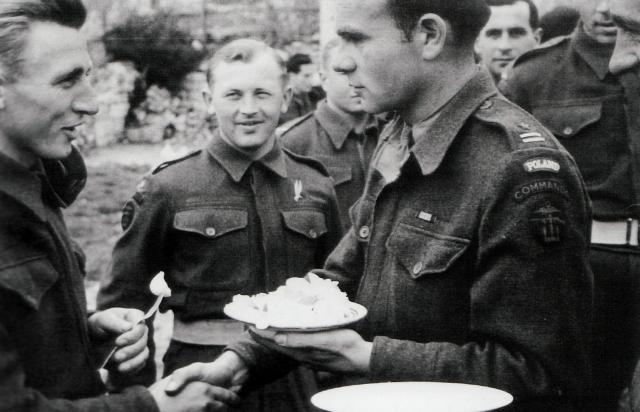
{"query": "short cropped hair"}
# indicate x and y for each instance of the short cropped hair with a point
(244, 50)
(326, 52)
(466, 17)
(534, 20)
(16, 17)
(297, 60)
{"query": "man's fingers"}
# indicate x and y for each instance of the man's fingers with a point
(182, 376)
(136, 363)
(133, 315)
(223, 395)
(137, 334)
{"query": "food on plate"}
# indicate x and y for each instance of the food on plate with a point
(301, 302)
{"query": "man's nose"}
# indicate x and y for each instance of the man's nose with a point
(504, 43)
(343, 63)
(603, 7)
(248, 106)
(86, 102)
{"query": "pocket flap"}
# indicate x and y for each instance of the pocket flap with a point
(422, 252)
(211, 223)
(29, 278)
(567, 121)
(309, 223)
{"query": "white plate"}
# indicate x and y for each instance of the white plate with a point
(252, 316)
(411, 397)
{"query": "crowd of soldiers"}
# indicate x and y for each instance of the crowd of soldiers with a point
(476, 190)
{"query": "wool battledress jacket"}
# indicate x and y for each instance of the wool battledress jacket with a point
(473, 262)
(47, 360)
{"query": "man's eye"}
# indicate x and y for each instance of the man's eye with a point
(263, 94)
(517, 33)
(232, 95)
(493, 34)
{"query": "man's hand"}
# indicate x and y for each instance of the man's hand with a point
(341, 350)
(228, 371)
(195, 396)
(130, 336)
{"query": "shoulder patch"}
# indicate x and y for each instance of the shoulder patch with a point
(315, 164)
(164, 165)
(541, 49)
(286, 127)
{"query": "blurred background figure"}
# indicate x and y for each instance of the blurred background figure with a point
(560, 21)
(301, 78)
(339, 133)
(511, 30)
(567, 85)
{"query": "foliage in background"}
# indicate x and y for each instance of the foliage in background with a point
(157, 46)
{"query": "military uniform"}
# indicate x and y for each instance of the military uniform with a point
(328, 137)
(471, 260)
(300, 105)
(219, 224)
(47, 358)
(566, 85)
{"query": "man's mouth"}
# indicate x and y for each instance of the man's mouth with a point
(72, 132)
(249, 123)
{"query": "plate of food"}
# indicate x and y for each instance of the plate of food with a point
(308, 304)
(412, 397)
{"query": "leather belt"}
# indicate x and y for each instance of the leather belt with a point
(216, 332)
(622, 232)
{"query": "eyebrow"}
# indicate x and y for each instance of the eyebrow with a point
(73, 74)
(626, 23)
(348, 33)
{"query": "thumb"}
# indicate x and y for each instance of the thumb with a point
(181, 377)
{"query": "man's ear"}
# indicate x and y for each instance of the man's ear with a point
(288, 95)
(537, 34)
(432, 33)
(208, 100)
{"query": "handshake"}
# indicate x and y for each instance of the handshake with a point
(202, 386)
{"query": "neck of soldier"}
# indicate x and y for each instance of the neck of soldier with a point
(358, 120)
(256, 154)
(442, 81)
(23, 157)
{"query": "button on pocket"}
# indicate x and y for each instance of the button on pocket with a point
(210, 222)
(422, 252)
(306, 222)
(567, 121)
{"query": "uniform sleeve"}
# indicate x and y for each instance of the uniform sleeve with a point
(530, 296)
(137, 256)
(15, 395)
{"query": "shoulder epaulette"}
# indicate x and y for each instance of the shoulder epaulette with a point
(293, 123)
(522, 129)
(166, 164)
(541, 49)
(316, 164)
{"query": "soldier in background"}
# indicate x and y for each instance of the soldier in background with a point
(237, 217)
(339, 133)
(568, 86)
(301, 72)
(511, 30)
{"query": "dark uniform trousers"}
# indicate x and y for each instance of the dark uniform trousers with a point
(566, 85)
(219, 224)
(472, 259)
(48, 360)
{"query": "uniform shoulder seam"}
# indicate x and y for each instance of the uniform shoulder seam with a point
(541, 49)
(291, 124)
(168, 163)
(315, 164)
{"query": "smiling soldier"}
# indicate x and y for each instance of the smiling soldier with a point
(239, 217)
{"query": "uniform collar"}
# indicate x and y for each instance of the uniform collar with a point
(237, 164)
(596, 55)
(60, 181)
(337, 125)
(21, 184)
(433, 142)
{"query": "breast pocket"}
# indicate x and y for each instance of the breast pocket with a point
(340, 174)
(419, 252)
(570, 120)
(210, 247)
(304, 230)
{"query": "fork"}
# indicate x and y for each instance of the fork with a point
(153, 309)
